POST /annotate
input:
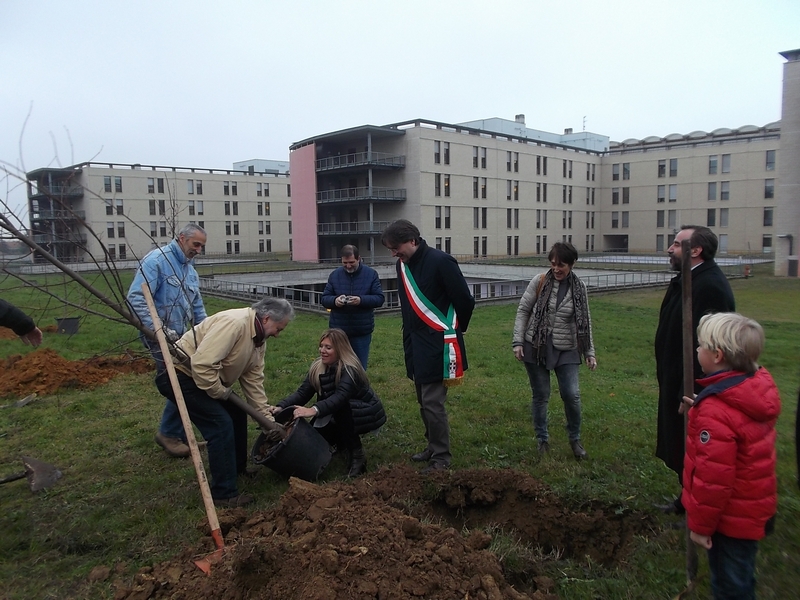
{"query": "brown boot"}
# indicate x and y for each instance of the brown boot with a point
(173, 446)
(358, 463)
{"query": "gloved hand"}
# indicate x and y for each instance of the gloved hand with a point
(171, 335)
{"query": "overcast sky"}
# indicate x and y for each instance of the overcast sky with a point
(207, 83)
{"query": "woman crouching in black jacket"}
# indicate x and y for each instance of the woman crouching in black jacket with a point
(346, 405)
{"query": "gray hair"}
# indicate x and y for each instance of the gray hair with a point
(190, 230)
(276, 309)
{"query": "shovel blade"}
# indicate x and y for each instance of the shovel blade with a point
(41, 475)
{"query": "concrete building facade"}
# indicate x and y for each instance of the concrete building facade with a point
(133, 208)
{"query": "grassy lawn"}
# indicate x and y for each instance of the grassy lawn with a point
(124, 504)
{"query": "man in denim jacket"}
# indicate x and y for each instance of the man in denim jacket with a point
(175, 287)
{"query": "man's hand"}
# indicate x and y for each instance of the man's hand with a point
(341, 300)
(171, 335)
(591, 362)
(518, 352)
(32, 338)
(686, 404)
(354, 300)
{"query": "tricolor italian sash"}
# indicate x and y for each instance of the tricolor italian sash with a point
(453, 363)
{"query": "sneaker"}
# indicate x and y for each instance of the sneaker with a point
(577, 450)
(236, 501)
(543, 446)
(423, 456)
(434, 466)
(173, 446)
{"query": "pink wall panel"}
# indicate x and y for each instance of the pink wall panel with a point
(304, 203)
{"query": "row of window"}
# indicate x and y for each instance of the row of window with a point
(480, 218)
(441, 184)
(197, 207)
(193, 186)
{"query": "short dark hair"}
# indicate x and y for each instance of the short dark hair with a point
(350, 250)
(400, 232)
(564, 252)
(704, 238)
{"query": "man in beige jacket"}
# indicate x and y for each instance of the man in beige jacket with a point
(227, 347)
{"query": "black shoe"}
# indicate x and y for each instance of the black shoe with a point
(543, 446)
(236, 501)
(673, 508)
(434, 466)
(577, 450)
(358, 463)
(423, 456)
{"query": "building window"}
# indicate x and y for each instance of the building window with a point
(228, 247)
(268, 229)
(266, 190)
(625, 218)
(437, 184)
(123, 252)
(711, 217)
(160, 185)
(437, 217)
(661, 194)
(516, 218)
(615, 172)
(476, 246)
(236, 228)
(227, 227)
(151, 185)
(227, 208)
(447, 217)
(769, 188)
(508, 189)
(109, 206)
(544, 165)
(508, 245)
(483, 158)
(615, 195)
(516, 190)
(672, 219)
(673, 167)
(234, 191)
(200, 208)
(726, 163)
(509, 215)
(190, 186)
(199, 187)
(235, 207)
(110, 231)
(626, 195)
(267, 209)
(712, 164)
(438, 243)
(563, 194)
(447, 153)
(662, 168)
(261, 245)
(766, 242)
(259, 209)
(483, 187)
(770, 160)
(288, 190)
(659, 242)
(288, 209)
(767, 216)
(474, 187)
(538, 165)
(725, 190)
(508, 164)
(259, 190)
(162, 207)
(484, 244)
(226, 190)
(484, 216)
(544, 192)
(151, 204)
(723, 217)
(117, 184)
(673, 192)
(153, 229)
(112, 251)
(107, 183)
(538, 192)
(614, 219)
(475, 157)
(447, 245)
(516, 165)
(437, 152)
(626, 171)
(236, 246)
(162, 229)
(659, 218)
(712, 190)
(260, 227)
(569, 170)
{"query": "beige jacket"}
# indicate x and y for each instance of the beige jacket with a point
(221, 352)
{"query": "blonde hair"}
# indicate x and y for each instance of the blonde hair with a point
(348, 361)
(740, 339)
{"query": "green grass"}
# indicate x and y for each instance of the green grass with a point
(122, 501)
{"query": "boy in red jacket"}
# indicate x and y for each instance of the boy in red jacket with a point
(729, 483)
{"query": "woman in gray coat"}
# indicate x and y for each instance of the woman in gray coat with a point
(552, 331)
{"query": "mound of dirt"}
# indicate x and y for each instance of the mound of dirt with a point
(45, 372)
(392, 535)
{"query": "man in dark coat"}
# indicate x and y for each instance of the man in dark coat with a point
(711, 293)
(352, 294)
(19, 323)
(436, 307)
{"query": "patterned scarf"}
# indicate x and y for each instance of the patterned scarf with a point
(541, 314)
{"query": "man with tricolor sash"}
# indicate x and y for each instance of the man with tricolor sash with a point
(436, 306)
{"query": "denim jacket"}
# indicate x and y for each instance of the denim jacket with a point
(175, 286)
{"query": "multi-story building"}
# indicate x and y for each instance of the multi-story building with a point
(77, 211)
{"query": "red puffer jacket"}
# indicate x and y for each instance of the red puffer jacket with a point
(729, 482)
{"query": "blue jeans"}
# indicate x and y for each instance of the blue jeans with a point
(732, 562)
(360, 344)
(224, 427)
(567, 376)
(171, 425)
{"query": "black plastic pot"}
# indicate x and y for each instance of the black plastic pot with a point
(304, 453)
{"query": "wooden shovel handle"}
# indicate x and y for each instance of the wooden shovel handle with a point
(205, 490)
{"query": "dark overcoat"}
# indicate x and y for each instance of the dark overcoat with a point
(711, 293)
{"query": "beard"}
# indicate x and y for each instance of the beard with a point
(675, 263)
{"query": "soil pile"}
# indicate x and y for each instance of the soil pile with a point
(393, 535)
(45, 372)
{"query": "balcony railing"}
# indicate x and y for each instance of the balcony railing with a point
(362, 159)
(352, 227)
(59, 191)
(362, 194)
(57, 215)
